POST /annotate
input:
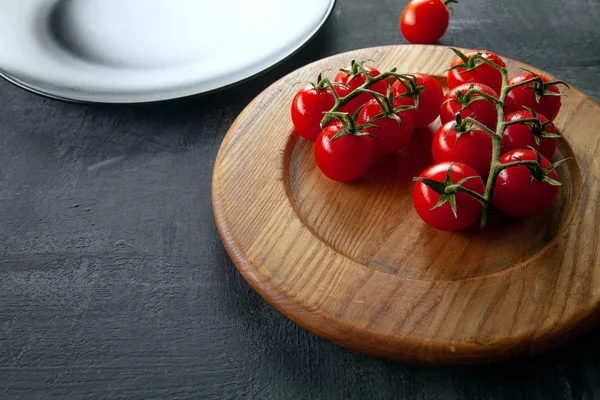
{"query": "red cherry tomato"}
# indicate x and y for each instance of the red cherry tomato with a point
(523, 96)
(391, 136)
(520, 136)
(484, 73)
(473, 148)
(308, 107)
(430, 100)
(468, 208)
(351, 82)
(424, 21)
(517, 193)
(481, 109)
(346, 158)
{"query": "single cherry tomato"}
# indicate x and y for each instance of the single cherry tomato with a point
(525, 96)
(522, 136)
(308, 107)
(391, 135)
(517, 193)
(473, 148)
(424, 21)
(430, 100)
(351, 82)
(345, 158)
(468, 208)
(482, 73)
(482, 109)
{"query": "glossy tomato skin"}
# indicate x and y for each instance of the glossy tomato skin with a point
(521, 97)
(390, 136)
(352, 82)
(346, 158)
(482, 110)
(424, 21)
(519, 136)
(307, 110)
(430, 100)
(473, 148)
(468, 208)
(484, 73)
(516, 193)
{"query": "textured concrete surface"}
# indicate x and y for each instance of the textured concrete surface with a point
(114, 282)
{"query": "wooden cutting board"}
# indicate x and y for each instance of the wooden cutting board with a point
(354, 264)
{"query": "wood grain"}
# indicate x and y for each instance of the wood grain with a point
(354, 264)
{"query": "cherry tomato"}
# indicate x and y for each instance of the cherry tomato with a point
(351, 82)
(481, 109)
(521, 136)
(391, 135)
(523, 96)
(308, 107)
(346, 158)
(473, 148)
(468, 208)
(424, 21)
(483, 73)
(430, 100)
(517, 193)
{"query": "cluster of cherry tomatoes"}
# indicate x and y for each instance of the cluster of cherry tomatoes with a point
(365, 114)
(379, 120)
(524, 181)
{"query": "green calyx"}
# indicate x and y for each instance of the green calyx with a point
(323, 84)
(472, 95)
(535, 168)
(538, 129)
(465, 99)
(448, 189)
(386, 103)
(540, 88)
(411, 86)
(349, 125)
(462, 126)
(551, 168)
(541, 174)
(468, 63)
(356, 68)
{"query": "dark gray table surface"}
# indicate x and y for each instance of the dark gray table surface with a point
(114, 282)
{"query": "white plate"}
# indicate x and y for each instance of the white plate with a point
(123, 51)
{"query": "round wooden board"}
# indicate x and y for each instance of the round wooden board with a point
(354, 264)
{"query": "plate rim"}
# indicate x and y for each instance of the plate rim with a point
(165, 95)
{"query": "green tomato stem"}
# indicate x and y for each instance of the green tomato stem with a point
(525, 82)
(459, 188)
(496, 166)
(481, 126)
(532, 163)
(484, 95)
(492, 64)
(342, 101)
(369, 80)
(520, 121)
